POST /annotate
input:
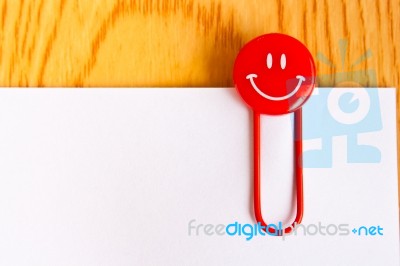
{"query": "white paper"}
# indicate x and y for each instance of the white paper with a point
(114, 176)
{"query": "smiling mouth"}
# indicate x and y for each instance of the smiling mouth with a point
(251, 77)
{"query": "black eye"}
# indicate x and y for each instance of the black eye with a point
(269, 60)
(283, 61)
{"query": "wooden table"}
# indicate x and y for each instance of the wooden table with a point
(190, 42)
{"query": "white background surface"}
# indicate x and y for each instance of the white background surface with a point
(113, 177)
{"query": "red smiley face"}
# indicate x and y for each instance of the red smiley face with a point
(274, 74)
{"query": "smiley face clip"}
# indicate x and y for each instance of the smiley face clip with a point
(275, 75)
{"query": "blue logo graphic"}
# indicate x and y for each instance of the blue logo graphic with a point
(341, 112)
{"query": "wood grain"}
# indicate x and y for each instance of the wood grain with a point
(190, 42)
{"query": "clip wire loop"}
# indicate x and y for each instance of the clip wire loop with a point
(298, 170)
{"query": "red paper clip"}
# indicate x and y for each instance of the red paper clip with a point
(275, 75)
